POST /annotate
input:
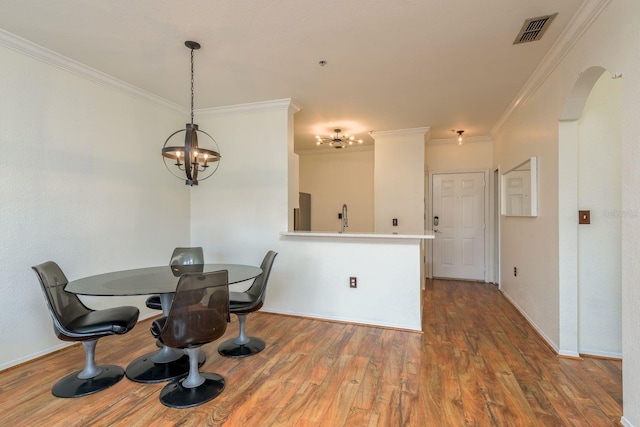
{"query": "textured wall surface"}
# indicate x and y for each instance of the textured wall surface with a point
(612, 42)
(81, 183)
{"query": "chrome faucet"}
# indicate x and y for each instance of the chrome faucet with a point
(345, 221)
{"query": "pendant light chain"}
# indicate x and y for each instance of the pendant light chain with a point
(191, 86)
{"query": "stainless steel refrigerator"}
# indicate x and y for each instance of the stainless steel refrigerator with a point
(302, 215)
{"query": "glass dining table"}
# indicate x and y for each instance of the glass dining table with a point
(165, 363)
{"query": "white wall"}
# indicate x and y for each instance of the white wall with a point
(238, 214)
(334, 177)
(531, 244)
(399, 180)
(447, 156)
(81, 183)
(613, 42)
(599, 247)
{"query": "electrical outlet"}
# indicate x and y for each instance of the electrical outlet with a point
(353, 282)
(585, 217)
(515, 271)
(394, 222)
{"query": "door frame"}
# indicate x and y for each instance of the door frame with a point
(496, 224)
(487, 216)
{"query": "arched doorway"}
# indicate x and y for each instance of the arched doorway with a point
(589, 179)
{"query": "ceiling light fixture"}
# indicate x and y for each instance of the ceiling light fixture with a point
(459, 137)
(191, 161)
(336, 140)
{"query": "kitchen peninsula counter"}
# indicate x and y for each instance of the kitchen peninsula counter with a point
(385, 268)
(428, 234)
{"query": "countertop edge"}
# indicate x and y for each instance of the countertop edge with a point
(428, 234)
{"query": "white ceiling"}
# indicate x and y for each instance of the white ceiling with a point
(447, 64)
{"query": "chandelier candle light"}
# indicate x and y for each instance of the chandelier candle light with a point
(191, 161)
(336, 140)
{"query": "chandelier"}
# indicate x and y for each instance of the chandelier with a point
(336, 140)
(190, 161)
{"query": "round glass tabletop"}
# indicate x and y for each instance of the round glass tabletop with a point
(153, 280)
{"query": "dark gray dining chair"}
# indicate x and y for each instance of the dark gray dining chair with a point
(73, 321)
(199, 314)
(243, 303)
(180, 256)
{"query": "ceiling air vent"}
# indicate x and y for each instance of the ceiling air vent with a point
(534, 28)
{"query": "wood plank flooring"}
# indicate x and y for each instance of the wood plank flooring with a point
(478, 363)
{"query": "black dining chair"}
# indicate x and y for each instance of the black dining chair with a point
(180, 256)
(73, 321)
(198, 315)
(243, 303)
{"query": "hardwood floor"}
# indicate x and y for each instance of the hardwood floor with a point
(477, 363)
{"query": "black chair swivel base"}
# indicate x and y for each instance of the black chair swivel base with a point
(175, 395)
(72, 386)
(145, 370)
(231, 348)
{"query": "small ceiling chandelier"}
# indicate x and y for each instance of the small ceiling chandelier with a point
(190, 161)
(336, 140)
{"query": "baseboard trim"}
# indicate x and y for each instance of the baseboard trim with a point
(601, 357)
(340, 320)
(36, 356)
(593, 354)
(61, 346)
(625, 422)
(569, 355)
(552, 346)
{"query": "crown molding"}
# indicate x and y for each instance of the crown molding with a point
(580, 22)
(422, 130)
(288, 104)
(333, 151)
(294, 106)
(30, 49)
(467, 139)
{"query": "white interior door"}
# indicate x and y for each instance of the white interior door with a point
(459, 225)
